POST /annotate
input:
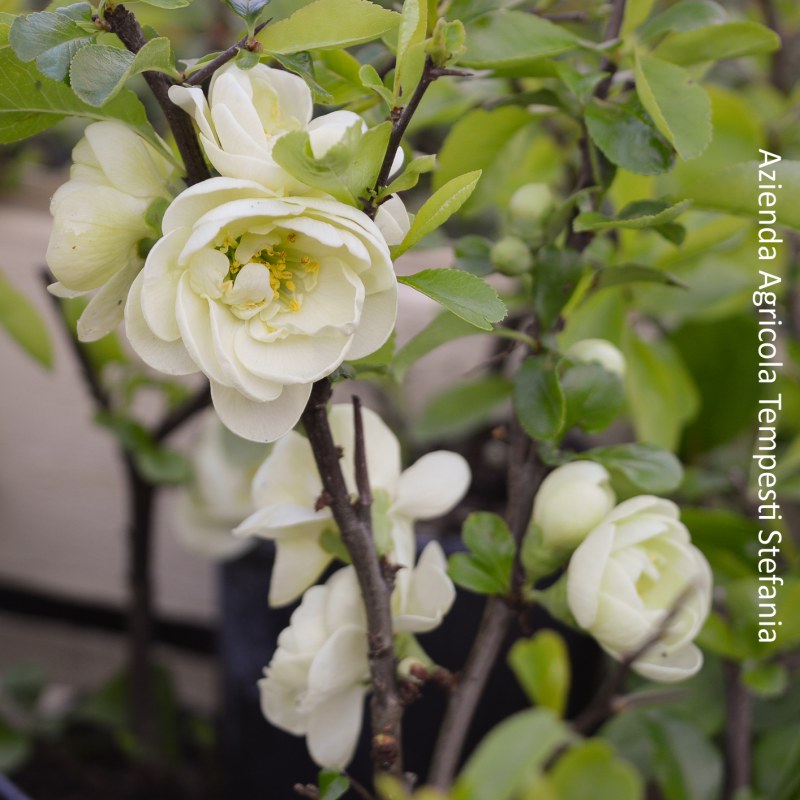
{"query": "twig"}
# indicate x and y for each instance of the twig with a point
(182, 414)
(306, 790)
(386, 708)
(738, 731)
(360, 465)
(125, 25)
(605, 703)
(358, 788)
(780, 72)
(206, 71)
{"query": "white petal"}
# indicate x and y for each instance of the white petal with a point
(298, 564)
(285, 521)
(289, 475)
(334, 727)
(260, 422)
(160, 286)
(59, 290)
(432, 486)
(107, 308)
(392, 220)
(376, 324)
(340, 663)
(585, 574)
(169, 357)
(669, 667)
(202, 535)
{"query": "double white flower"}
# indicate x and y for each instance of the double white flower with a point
(99, 220)
(317, 680)
(287, 486)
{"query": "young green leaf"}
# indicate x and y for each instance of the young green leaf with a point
(507, 759)
(650, 469)
(594, 397)
(462, 408)
(634, 273)
(408, 63)
(538, 399)
(683, 16)
(467, 296)
(24, 323)
(168, 4)
(635, 216)
(410, 176)
(486, 568)
(370, 79)
(332, 784)
(99, 72)
(542, 667)
(592, 769)
(557, 273)
(52, 39)
(326, 24)
(248, 10)
(513, 39)
(439, 207)
(347, 170)
(680, 108)
(627, 137)
(729, 40)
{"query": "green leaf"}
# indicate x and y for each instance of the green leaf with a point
(594, 397)
(662, 396)
(462, 408)
(413, 27)
(680, 108)
(438, 208)
(650, 469)
(511, 756)
(592, 769)
(248, 10)
(765, 679)
(99, 72)
(369, 77)
(332, 784)
(155, 463)
(776, 763)
(301, 64)
(729, 40)
(409, 177)
(634, 273)
(635, 216)
(348, 170)
(486, 568)
(23, 322)
(542, 667)
(513, 39)
(477, 140)
(628, 137)
(30, 103)
(684, 16)
(52, 39)
(327, 24)
(467, 296)
(15, 748)
(538, 398)
(556, 274)
(473, 254)
(442, 329)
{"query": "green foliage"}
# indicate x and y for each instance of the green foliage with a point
(593, 396)
(557, 275)
(248, 10)
(465, 295)
(539, 399)
(30, 103)
(98, 72)
(328, 24)
(409, 177)
(24, 324)
(686, 15)
(15, 748)
(591, 769)
(634, 273)
(728, 40)
(649, 469)
(438, 208)
(542, 667)
(332, 784)
(635, 216)
(509, 758)
(410, 54)
(486, 567)
(348, 170)
(679, 107)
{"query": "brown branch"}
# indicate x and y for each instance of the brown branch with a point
(606, 702)
(738, 731)
(360, 465)
(780, 68)
(386, 708)
(207, 70)
(125, 25)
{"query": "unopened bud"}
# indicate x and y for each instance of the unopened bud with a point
(511, 256)
(599, 351)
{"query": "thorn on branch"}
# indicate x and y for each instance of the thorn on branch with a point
(389, 571)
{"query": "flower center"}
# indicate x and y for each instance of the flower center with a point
(268, 276)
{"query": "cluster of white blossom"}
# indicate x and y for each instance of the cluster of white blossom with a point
(257, 280)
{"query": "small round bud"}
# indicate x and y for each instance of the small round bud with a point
(571, 501)
(530, 202)
(412, 670)
(598, 351)
(511, 256)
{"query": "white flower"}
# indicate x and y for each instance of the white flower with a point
(99, 220)
(287, 486)
(624, 579)
(219, 497)
(599, 351)
(265, 295)
(317, 680)
(571, 501)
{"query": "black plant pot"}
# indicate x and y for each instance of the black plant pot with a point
(264, 763)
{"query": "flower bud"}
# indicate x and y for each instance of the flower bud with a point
(511, 256)
(412, 670)
(530, 203)
(599, 351)
(571, 501)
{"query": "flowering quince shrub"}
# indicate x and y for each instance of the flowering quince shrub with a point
(586, 183)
